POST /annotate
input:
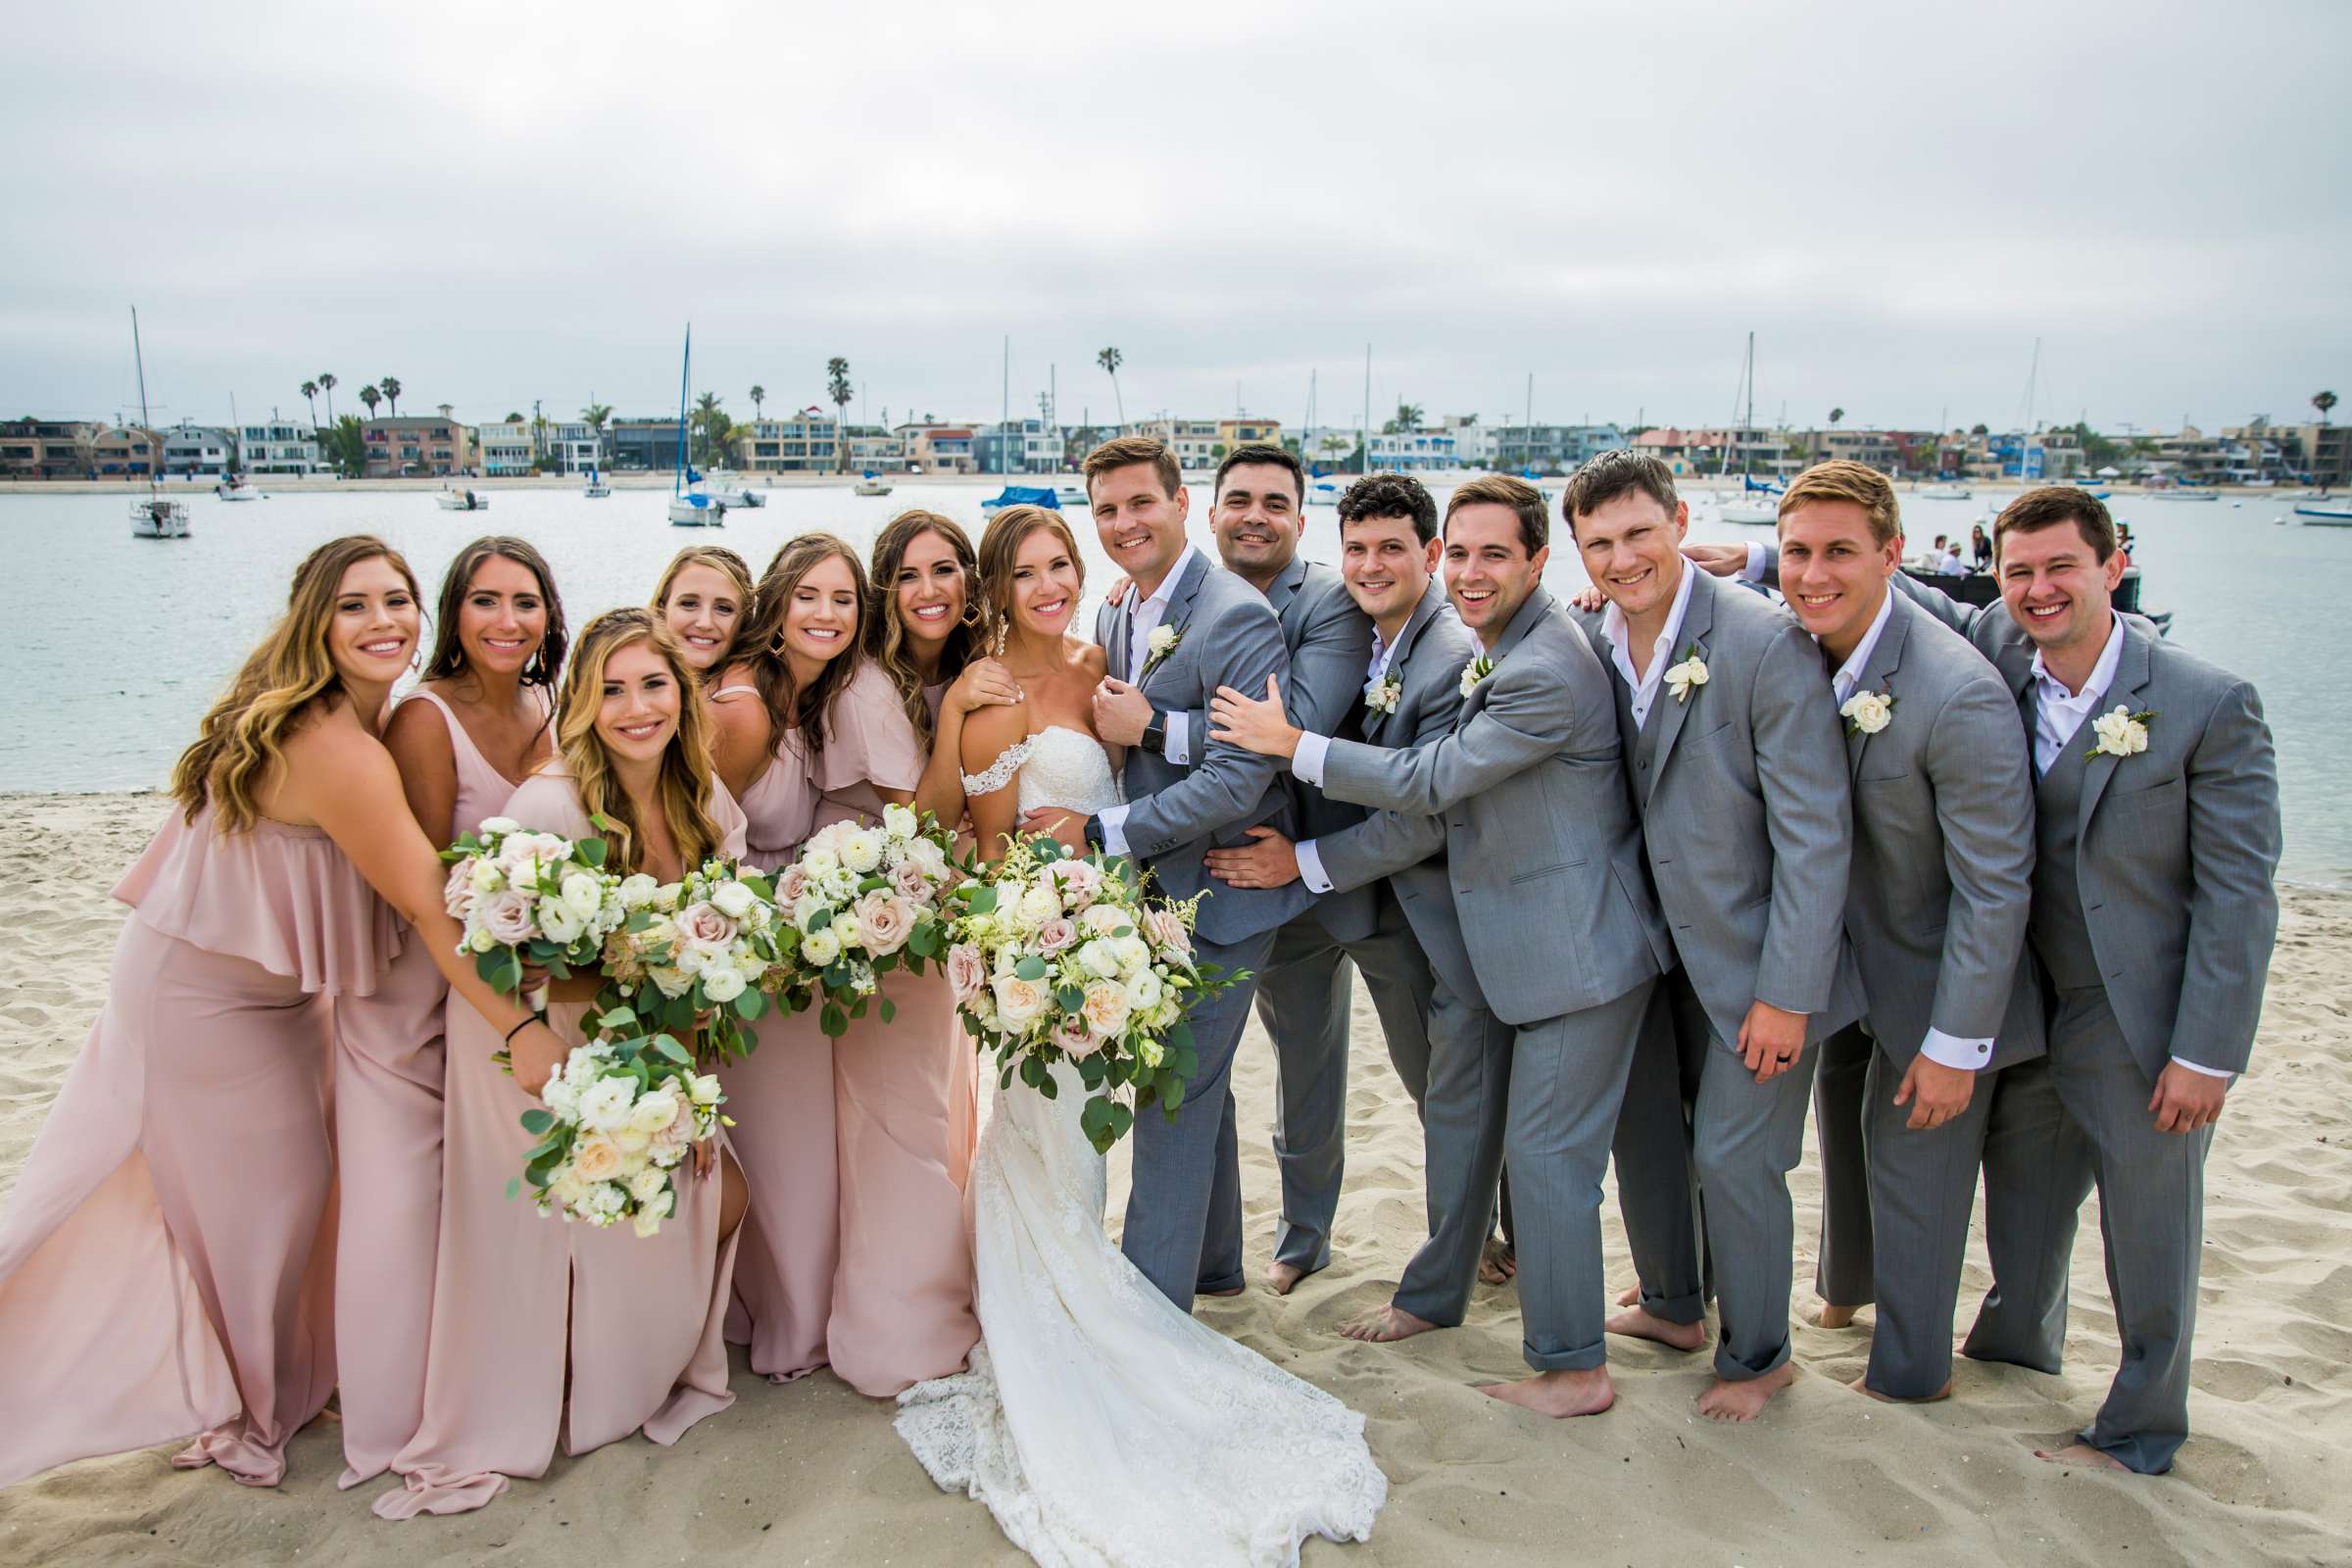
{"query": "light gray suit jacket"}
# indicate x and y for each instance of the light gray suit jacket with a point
(1229, 637)
(1409, 849)
(1942, 878)
(1745, 814)
(1540, 840)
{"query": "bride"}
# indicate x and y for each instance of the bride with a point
(1103, 1427)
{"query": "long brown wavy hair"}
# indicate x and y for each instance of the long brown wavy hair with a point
(999, 545)
(279, 686)
(728, 565)
(447, 658)
(686, 778)
(886, 640)
(761, 643)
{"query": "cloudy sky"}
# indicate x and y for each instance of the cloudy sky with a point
(503, 202)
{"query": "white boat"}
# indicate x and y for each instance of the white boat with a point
(1324, 493)
(691, 509)
(1070, 495)
(2183, 495)
(237, 488)
(154, 518)
(728, 491)
(689, 506)
(462, 500)
(1947, 492)
(2261, 484)
(1751, 509)
(596, 489)
(871, 484)
(2326, 513)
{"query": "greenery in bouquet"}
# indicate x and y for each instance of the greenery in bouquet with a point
(861, 901)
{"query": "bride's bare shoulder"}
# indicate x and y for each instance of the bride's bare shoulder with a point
(1088, 659)
(990, 732)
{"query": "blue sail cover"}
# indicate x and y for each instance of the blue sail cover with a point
(1014, 495)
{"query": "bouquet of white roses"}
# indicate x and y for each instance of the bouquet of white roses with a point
(689, 956)
(1062, 957)
(862, 901)
(529, 897)
(621, 1114)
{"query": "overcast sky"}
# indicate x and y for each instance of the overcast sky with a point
(499, 202)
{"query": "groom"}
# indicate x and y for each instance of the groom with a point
(1187, 628)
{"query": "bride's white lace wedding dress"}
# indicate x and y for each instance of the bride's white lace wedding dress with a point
(1103, 1427)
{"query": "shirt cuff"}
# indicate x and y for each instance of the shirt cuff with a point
(2209, 1072)
(1179, 750)
(1950, 1051)
(1114, 828)
(1753, 571)
(1311, 866)
(1306, 763)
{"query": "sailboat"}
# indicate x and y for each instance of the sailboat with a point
(1756, 502)
(596, 489)
(154, 518)
(870, 484)
(689, 507)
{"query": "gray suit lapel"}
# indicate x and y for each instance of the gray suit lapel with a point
(1116, 653)
(1666, 713)
(1878, 670)
(1433, 600)
(2132, 672)
(1285, 588)
(1194, 572)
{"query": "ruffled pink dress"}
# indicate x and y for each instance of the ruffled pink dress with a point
(901, 1094)
(167, 1261)
(388, 1115)
(545, 1332)
(781, 1097)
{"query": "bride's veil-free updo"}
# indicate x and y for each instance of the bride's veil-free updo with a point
(999, 547)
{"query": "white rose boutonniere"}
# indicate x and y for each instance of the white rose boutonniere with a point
(1476, 670)
(1687, 676)
(1163, 640)
(1382, 695)
(1868, 712)
(2121, 732)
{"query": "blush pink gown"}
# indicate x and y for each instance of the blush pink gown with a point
(388, 1115)
(903, 1096)
(781, 1097)
(167, 1259)
(506, 1379)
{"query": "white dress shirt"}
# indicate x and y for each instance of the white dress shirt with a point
(1141, 622)
(1306, 764)
(1661, 654)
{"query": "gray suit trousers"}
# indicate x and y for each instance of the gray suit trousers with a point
(1745, 1138)
(1184, 1216)
(1657, 1189)
(2037, 1171)
(1463, 1122)
(1850, 1057)
(1923, 1189)
(1303, 999)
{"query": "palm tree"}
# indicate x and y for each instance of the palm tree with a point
(758, 396)
(310, 395)
(327, 384)
(2323, 402)
(1408, 418)
(594, 416)
(1835, 416)
(390, 387)
(1111, 360)
(709, 424)
(372, 397)
(836, 387)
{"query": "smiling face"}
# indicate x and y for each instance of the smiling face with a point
(1257, 521)
(503, 618)
(1046, 580)
(821, 619)
(373, 631)
(929, 592)
(702, 609)
(1386, 566)
(1833, 571)
(1488, 570)
(637, 714)
(1140, 525)
(2056, 586)
(1632, 548)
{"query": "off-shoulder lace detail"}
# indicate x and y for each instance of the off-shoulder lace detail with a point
(1000, 772)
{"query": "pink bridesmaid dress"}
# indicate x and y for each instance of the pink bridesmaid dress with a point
(167, 1260)
(388, 1115)
(542, 1331)
(903, 1292)
(781, 1097)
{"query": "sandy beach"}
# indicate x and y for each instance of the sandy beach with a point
(812, 1473)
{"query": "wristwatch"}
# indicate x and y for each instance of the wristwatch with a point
(1156, 733)
(1094, 833)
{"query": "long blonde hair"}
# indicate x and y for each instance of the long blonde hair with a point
(886, 630)
(276, 689)
(686, 777)
(761, 644)
(1001, 547)
(728, 565)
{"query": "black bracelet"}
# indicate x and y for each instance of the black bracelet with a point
(520, 1027)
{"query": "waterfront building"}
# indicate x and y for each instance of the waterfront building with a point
(1413, 451)
(573, 447)
(1562, 448)
(807, 442)
(1872, 449)
(127, 449)
(939, 448)
(417, 445)
(47, 449)
(1018, 446)
(1196, 442)
(640, 445)
(505, 448)
(1472, 442)
(1247, 429)
(198, 449)
(1329, 447)
(278, 446)
(873, 446)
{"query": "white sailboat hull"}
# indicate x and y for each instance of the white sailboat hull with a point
(697, 512)
(159, 519)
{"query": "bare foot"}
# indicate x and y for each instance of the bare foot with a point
(2083, 1454)
(1384, 1325)
(1235, 1290)
(1836, 1317)
(1944, 1393)
(1284, 1277)
(1498, 1263)
(1637, 1323)
(1631, 1296)
(1558, 1393)
(1745, 1401)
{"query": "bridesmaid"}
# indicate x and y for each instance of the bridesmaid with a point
(462, 741)
(542, 1331)
(922, 628)
(163, 1260)
(704, 595)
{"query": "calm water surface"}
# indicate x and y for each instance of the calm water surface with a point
(117, 645)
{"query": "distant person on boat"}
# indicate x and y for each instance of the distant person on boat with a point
(1981, 543)
(1951, 566)
(1931, 559)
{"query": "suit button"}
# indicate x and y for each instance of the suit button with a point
(1645, 764)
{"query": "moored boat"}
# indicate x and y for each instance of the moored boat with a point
(1947, 492)
(1018, 495)
(236, 487)
(870, 484)
(155, 517)
(461, 499)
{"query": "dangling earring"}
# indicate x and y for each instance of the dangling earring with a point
(974, 617)
(1004, 625)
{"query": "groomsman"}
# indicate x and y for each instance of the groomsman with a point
(1409, 697)
(1303, 995)
(1193, 627)
(1936, 908)
(1739, 776)
(1540, 844)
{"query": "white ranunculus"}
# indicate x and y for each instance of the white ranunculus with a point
(1133, 952)
(584, 892)
(723, 982)
(703, 1088)
(898, 822)
(480, 941)
(486, 877)
(654, 1109)
(1143, 990)
(930, 856)
(637, 890)
(689, 960)
(1101, 919)
(734, 900)
(559, 922)
(1867, 711)
(649, 1183)
(605, 1104)
(861, 852)
(1100, 958)
(1686, 677)
(819, 862)
(492, 826)
(1019, 1003)
(820, 947)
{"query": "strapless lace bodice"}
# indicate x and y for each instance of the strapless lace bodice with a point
(1057, 766)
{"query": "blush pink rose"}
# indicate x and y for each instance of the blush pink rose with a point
(910, 882)
(704, 926)
(1074, 1038)
(966, 973)
(1056, 935)
(457, 894)
(885, 922)
(507, 915)
(1165, 927)
(793, 888)
(1078, 881)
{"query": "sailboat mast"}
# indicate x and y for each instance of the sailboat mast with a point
(677, 485)
(1748, 420)
(138, 357)
(1368, 469)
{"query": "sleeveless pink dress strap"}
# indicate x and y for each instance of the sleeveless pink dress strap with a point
(166, 1259)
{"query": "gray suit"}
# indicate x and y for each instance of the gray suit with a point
(1184, 1219)
(1746, 824)
(1302, 994)
(2154, 916)
(1539, 841)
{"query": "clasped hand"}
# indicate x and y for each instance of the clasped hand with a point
(1253, 724)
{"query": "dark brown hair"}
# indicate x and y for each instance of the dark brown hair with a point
(886, 634)
(2053, 506)
(447, 658)
(761, 644)
(1497, 489)
(1000, 544)
(1257, 452)
(1601, 479)
(1392, 495)
(1125, 451)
